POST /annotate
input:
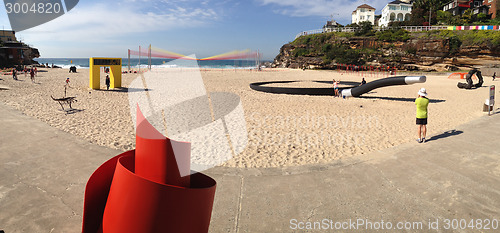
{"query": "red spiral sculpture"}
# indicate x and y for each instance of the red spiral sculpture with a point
(149, 189)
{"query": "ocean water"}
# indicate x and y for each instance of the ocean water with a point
(83, 63)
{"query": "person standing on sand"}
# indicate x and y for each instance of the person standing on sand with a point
(14, 74)
(494, 75)
(422, 103)
(363, 82)
(335, 88)
(32, 75)
(108, 82)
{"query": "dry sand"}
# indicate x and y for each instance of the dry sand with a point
(283, 130)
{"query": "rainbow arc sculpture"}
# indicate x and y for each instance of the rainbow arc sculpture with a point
(152, 52)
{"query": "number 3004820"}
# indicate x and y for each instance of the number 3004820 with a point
(33, 8)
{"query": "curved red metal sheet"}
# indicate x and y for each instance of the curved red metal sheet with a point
(148, 190)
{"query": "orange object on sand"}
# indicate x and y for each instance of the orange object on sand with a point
(460, 76)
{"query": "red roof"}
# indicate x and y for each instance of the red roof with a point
(365, 6)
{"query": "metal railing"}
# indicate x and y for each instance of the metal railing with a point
(423, 28)
(353, 29)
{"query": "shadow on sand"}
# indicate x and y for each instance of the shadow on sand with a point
(124, 89)
(354, 84)
(445, 135)
(73, 111)
(400, 99)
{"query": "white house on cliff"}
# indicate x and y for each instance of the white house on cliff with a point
(363, 13)
(398, 10)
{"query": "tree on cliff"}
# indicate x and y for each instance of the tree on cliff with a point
(422, 8)
(342, 54)
(365, 29)
(498, 9)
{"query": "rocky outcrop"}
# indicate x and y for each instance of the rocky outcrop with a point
(418, 53)
(284, 58)
(29, 55)
(14, 53)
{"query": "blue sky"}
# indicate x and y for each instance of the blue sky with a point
(201, 27)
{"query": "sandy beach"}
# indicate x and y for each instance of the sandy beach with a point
(283, 130)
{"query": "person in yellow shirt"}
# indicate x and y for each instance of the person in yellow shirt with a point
(422, 103)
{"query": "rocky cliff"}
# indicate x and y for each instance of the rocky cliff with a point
(14, 53)
(428, 51)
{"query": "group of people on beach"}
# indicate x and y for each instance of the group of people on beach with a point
(108, 82)
(32, 71)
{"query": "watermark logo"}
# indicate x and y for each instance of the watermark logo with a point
(25, 14)
(176, 103)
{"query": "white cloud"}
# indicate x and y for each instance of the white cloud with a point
(111, 21)
(341, 9)
(109, 27)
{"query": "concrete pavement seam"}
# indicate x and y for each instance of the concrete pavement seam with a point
(240, 198)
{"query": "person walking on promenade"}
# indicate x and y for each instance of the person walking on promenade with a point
(422, 102)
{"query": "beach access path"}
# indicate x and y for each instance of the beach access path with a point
(455, 175)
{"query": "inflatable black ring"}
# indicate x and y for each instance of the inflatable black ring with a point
(325, 91)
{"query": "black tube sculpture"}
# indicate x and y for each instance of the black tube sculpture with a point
(468, 79)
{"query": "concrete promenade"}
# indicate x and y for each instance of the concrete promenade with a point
(455, 175)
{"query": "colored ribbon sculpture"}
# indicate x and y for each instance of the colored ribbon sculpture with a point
(161, 53)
